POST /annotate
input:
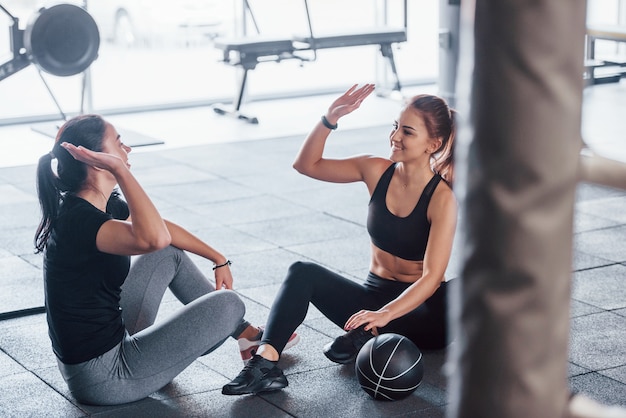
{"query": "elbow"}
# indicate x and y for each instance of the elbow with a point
(164, 241)
(157, 243)
(298, 167)
(303, 168)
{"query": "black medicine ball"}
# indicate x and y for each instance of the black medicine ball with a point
(389, 367)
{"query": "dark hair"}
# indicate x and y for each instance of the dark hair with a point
(85, 130)
(440, 121)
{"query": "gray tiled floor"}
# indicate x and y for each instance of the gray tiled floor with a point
(245, 199)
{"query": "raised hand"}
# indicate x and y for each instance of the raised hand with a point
(348, 102)
(99, 160)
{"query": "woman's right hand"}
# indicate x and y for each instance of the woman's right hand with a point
(348, 102)
(98, 160)
(310, 160)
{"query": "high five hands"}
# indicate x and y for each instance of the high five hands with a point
(348, 102)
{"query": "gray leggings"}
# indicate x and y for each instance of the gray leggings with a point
(150, 356)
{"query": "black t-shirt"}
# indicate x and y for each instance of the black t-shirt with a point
(82, 284)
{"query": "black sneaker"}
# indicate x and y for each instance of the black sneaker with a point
(345, 347)
(259, 375)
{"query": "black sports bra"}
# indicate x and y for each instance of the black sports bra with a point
(403, 237)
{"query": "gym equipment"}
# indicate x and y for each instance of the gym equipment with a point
(615, 33)
(389, 367)
(251, 52)
(246, 52)
(62, 40)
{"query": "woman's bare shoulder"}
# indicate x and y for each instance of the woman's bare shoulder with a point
(375, 164)
(443, 197)
(373, 167)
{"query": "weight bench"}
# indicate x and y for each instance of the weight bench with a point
(384, 37)
(613, 33)
(247, 52)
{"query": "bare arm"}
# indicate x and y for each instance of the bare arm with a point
(443, 214)
(310, 161)
(597, 169)
(185, 240)
(147, 232)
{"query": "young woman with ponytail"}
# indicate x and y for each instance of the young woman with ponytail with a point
(101, 307)
(411, 221)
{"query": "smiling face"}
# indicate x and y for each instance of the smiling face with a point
(409, 138)
(112, 144)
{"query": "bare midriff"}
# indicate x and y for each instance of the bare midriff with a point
(389, 266)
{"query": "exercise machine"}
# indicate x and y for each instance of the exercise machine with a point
(249, 51)
(62, 40)
(615, 33)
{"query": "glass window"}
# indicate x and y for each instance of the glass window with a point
(607, 12)
(161, 53)
(25, 91)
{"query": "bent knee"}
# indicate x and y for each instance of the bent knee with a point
(301, 269)
(224, 307)
(303, 275)
(170, 250)
(233, 306)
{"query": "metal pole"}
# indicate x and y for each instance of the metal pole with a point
(86, 100)
(449, 18)
(522, 168)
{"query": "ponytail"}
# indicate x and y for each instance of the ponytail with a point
(71, 174)
(443, 159)
(49, 200)
(440, 122)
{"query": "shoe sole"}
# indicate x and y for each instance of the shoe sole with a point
(327, 349)
(346, 361)
(274, 385)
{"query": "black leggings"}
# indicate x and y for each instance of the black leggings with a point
(338, 298)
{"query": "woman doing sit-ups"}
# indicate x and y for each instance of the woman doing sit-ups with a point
(100, 307)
